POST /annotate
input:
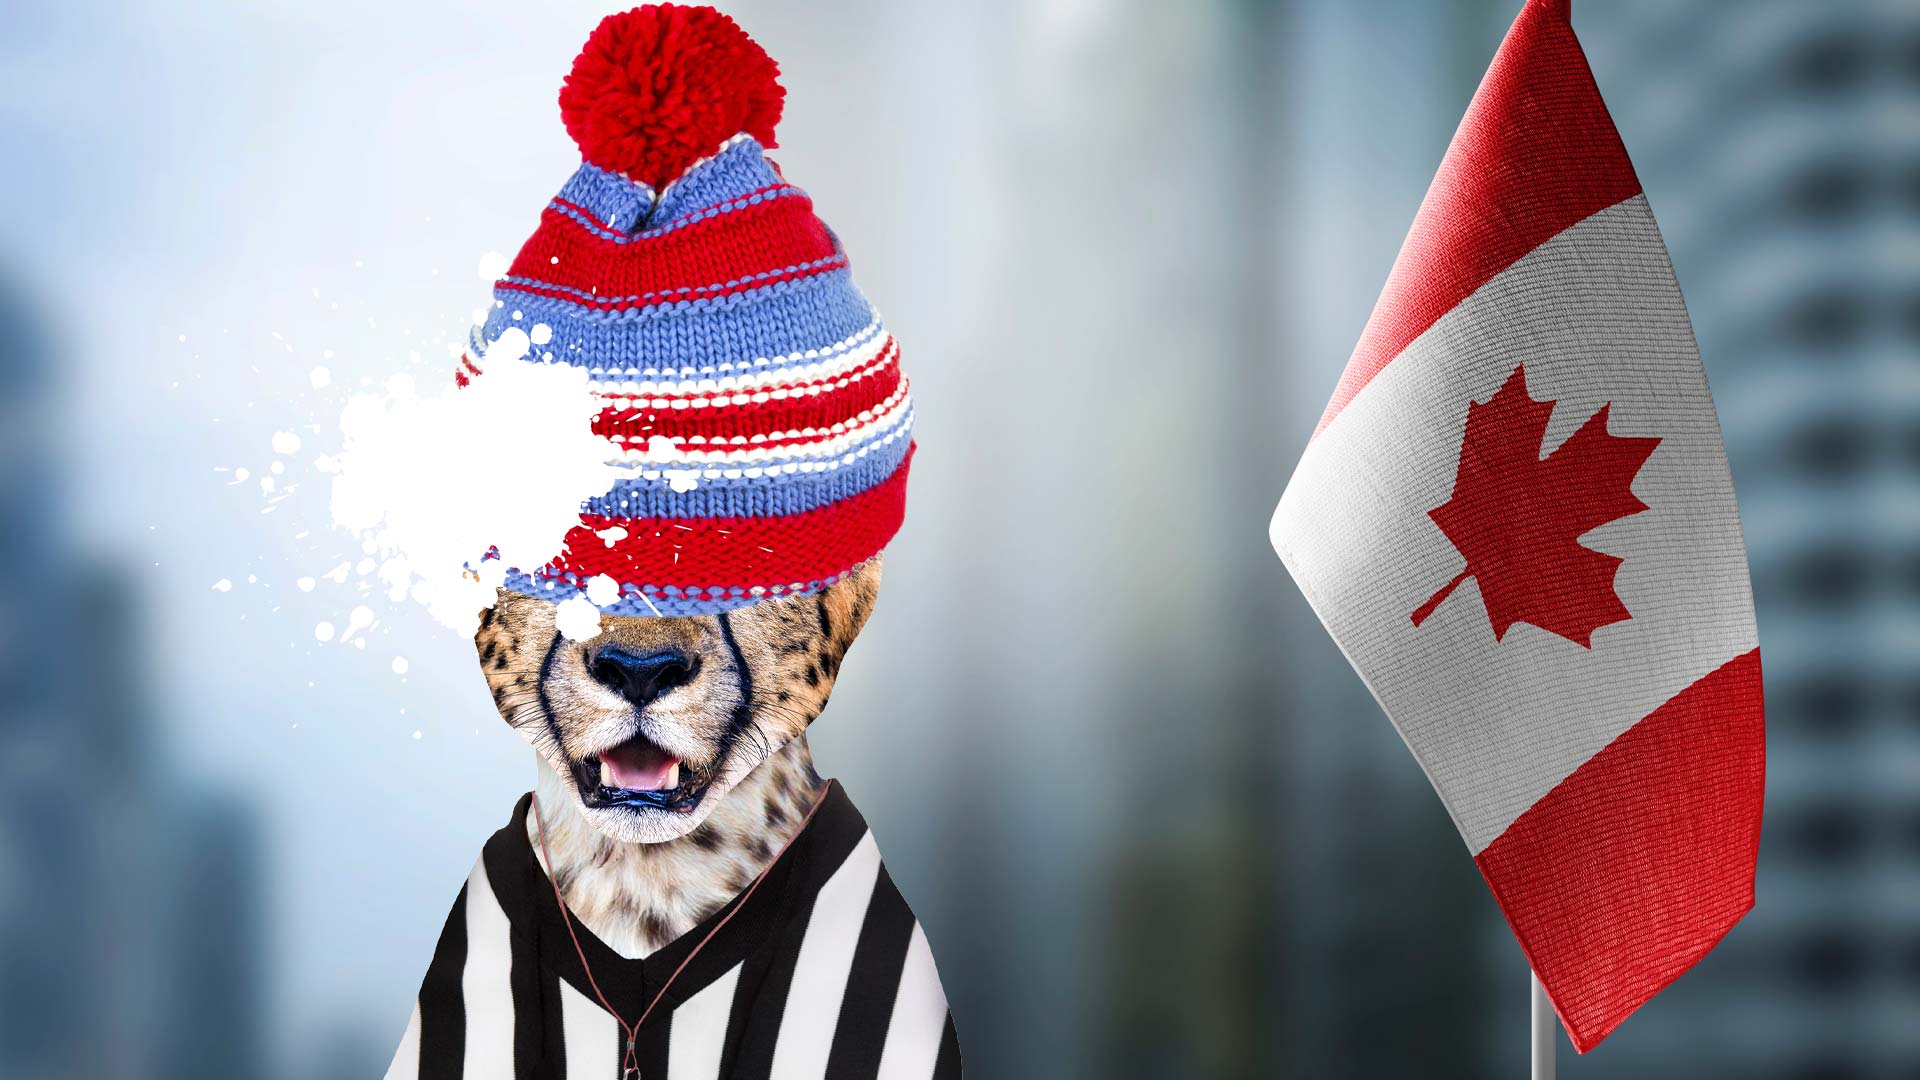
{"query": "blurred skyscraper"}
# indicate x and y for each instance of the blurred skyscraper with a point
(129, 904)
(51, 866)
(1780, 147)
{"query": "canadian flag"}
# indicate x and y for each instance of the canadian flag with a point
(1516, 519)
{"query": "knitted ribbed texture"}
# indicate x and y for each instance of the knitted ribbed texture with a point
(717, 315)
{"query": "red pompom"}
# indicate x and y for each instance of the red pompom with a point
(658, 88)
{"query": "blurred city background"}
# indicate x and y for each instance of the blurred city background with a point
(1152, 822)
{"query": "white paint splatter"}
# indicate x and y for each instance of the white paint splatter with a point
(492, 573)
(223, 585)
(542, 333)
(431, 483)
(576, 618)
(323, 631)
(603, 590)
(286, 442)
(320, 377)
(493, 267)
(416, 735)
(662, 449)
(306, 584)
(397, 574)
(400, 665)
(612, 534)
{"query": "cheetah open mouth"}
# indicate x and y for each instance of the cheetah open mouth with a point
(636, 775)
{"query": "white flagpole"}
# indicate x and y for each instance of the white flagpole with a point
(1545, 1027)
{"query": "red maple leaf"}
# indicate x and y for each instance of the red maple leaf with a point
(1517, 517)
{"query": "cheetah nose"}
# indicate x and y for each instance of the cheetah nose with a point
(641, 678)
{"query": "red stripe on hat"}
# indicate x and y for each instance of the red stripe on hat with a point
(1632, 868)
(743, 552)
(732, 247)
(640, 421)
(1536, 153)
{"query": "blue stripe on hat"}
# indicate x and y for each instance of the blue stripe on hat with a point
(664, 296)
(624, 210)
(764, 365)
(739, 169)
(614, 202)
(773, 320)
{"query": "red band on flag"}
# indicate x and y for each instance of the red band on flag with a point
(1632, 868)
(1536, 153)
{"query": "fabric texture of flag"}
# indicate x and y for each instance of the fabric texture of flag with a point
(1516, 519)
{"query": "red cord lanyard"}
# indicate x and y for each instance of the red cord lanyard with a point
(630, 1061)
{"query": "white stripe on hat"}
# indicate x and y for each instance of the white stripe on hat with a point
(1595, 316)
(699, 1030)
(820, 971)
(856, 430)
(485, 983)
(919, 1016)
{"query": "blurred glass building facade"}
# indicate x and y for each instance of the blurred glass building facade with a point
(130, 895)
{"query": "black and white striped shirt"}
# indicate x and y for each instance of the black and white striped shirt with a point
(824, 972)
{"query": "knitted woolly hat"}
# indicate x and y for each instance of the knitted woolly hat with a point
(759, 399)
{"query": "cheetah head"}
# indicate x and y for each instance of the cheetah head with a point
(654, 720)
